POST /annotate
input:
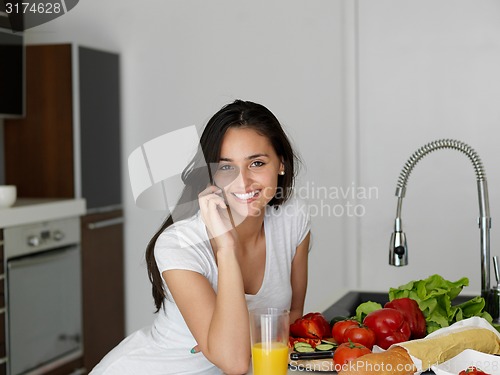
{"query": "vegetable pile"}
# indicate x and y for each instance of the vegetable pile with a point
(414, 310)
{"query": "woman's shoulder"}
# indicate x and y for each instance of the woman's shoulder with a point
(185, 231)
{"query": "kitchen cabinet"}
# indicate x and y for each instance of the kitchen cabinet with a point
(102, 260)
(68, 146)
(40, 229)
(39, 149)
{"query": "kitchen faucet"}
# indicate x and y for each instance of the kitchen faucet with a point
(398, 248)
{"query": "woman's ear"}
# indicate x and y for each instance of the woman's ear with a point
(282, 168)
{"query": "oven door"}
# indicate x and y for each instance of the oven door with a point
(44, 308)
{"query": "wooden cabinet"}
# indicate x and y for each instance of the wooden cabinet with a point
(39, 149)
(102, 262)
(68, 146)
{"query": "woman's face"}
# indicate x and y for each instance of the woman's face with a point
(248, 171)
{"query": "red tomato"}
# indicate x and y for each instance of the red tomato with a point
(360, 334)
(347, 352)
(471, 370)
(339, 328)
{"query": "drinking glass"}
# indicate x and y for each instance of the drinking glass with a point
(269, 334)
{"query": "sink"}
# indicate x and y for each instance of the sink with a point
(346, 305)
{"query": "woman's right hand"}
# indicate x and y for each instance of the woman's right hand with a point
(215, 214)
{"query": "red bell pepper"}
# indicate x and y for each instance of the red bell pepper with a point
(293, 340)
(389, 325)
(413, 315)
(312, 325)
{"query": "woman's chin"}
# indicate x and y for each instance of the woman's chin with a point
(241, 212)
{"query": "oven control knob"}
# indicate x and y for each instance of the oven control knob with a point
(57, 235)
(34, 241)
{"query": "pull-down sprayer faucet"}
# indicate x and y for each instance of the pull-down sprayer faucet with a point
(398, 248)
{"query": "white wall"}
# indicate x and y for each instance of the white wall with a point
(183, 60)
(428, 70)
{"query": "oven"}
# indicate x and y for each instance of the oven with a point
(43, 295)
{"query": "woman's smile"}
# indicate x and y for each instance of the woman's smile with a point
(247, 197)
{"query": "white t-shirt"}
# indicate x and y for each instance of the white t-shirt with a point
(165, 347)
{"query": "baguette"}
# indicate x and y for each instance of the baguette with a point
(440, 348)
(394, 361)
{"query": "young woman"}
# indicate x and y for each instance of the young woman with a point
(245, 246)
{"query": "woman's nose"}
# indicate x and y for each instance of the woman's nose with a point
(243, 179)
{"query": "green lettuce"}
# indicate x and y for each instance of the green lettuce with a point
(365, 308)
(434, 296)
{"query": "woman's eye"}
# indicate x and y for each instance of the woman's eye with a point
(225, 167)
(257, 163)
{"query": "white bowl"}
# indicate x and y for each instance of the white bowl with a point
(8, 195)
(487, 362)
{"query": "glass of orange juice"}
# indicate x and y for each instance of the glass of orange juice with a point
(269, 333)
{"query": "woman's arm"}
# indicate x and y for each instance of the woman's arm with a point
(299, 279)
(218, 321)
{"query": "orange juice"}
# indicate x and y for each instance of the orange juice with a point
(272, 360)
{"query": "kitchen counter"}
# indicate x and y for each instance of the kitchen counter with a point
(32, 210)
(296, 370)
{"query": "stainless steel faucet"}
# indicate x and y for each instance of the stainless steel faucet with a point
(398, 248)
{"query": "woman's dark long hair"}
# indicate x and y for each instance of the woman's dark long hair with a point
(239, 114)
